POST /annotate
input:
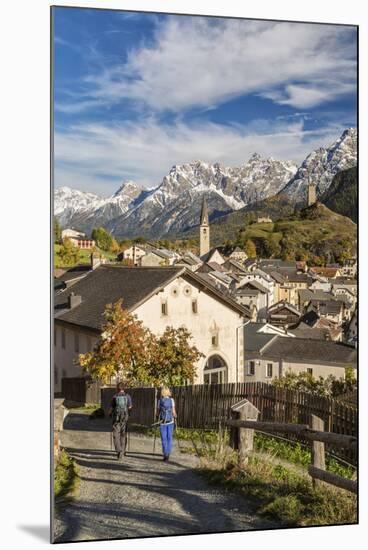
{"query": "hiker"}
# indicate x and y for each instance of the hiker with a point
(166, 414)
(121, 405)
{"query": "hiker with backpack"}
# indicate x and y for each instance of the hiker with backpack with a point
(166, 414)
(121, 404)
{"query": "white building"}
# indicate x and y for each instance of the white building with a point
(68, 233)
(159, 297)
(268, 356)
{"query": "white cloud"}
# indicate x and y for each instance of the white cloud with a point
(94, 157)
(198, 62)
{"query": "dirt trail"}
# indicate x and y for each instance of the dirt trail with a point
(141, 496)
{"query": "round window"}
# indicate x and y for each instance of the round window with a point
(187, 290)
(175, 291)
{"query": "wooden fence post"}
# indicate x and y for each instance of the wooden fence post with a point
(318, 448)
(245, 410)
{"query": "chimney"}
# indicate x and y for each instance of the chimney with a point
(74, 300)
(95, 260)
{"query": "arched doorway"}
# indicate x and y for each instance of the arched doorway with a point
(215, 370)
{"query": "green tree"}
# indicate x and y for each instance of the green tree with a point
(57, 231)
(250, 248)
(68, 254)
(329, 387)
(102, 238)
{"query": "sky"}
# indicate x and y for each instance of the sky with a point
(137, 93)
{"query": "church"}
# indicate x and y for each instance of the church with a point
(218, 254)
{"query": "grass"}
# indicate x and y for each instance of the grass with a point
(298, 454)
(84, 257)
(281, 494)
(66, 477)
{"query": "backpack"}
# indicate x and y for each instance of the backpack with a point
(165, 410)
(121, 408)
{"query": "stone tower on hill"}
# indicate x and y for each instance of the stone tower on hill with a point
(312, 194)
(204, 230)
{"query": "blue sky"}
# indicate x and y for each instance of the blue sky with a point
(136, 93)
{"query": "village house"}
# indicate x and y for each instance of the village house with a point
(268, 356)
(333, 310)
(135, 252)
(158, 257)
(254, 293)
(352, 329)
(349, 268)
(306, 295)
(189, 260)
(284, 291)
(68, 233)
(283, 314)
(82, 242)
(159, 297)
(328, 272)
(313, 325)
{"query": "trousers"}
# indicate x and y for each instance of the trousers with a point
(166, 432)
(119, 435)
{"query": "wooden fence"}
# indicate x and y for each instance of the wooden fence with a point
(80, 391)
(247, 424)
(208, 406)
(143, 411)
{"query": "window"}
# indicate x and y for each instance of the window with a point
(215, 371)
(194, 306)
(269, 370)
(215, 339)
(310, 371)
(63, 338)
(164, 308)
(251, 368)
(76, 342)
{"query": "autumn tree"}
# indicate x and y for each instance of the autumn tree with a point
(128, 350)
(121, 349)
(173, 358)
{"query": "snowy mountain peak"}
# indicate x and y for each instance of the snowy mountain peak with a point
(175, 204)
(128, 186)
(323, 164)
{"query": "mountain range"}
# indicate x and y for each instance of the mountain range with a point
(174, 205)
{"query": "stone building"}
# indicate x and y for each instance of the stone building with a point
(159, 297)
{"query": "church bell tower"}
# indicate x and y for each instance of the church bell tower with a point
(204, 231)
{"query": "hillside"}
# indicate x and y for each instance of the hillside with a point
(314, 233)
(227, 227)
(342, 195)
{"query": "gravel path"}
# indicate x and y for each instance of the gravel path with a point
(141, 496)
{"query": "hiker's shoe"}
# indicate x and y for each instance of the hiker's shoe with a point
(120, 455)
(165, 458)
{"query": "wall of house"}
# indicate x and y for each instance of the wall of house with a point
(152, 260)
(64, 356)
(280, 368)
(213, 318)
